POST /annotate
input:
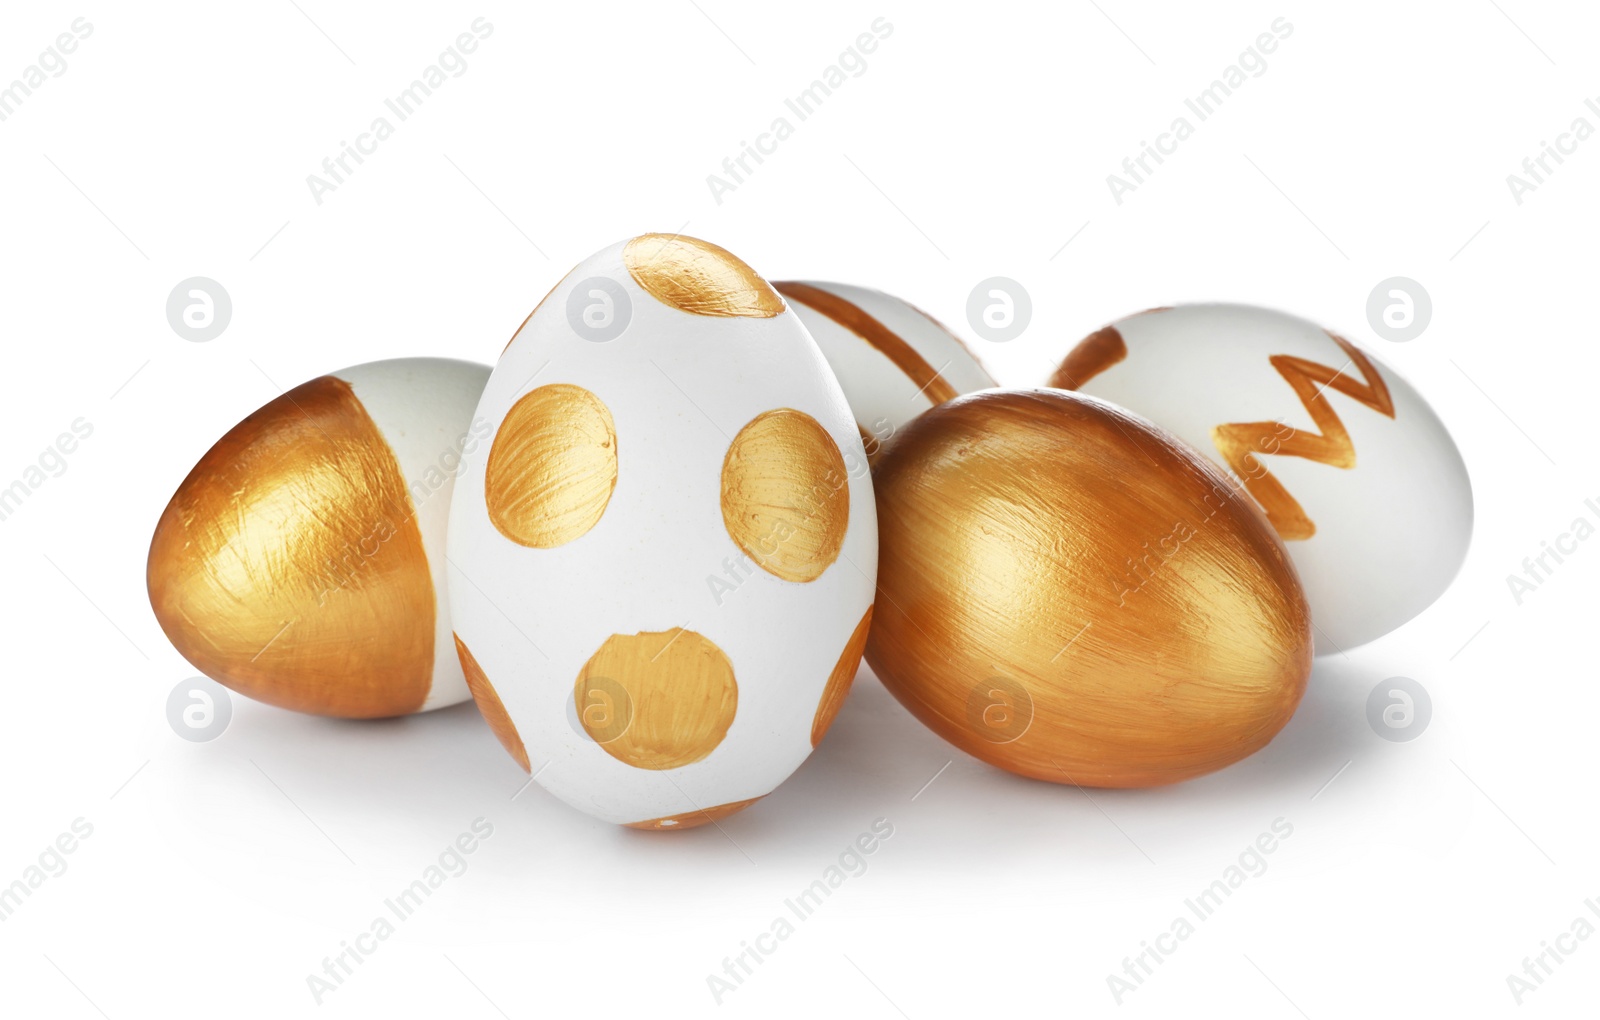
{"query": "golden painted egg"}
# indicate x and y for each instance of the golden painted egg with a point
(301, 563)
(1069, 593)
(663, 560)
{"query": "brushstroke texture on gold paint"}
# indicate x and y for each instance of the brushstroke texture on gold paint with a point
(785, 494)
(699, 277)
(883, 339)
(289, 567)
(1007, 518)
(552, 468)
(682, 694)
(490, 706)
(839, 681)
(693, 819)
(1093, 355)
(1241, 442)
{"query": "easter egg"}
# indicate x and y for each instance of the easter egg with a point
(664, 558)
(1071, 594)
(301, 563)
(892, 360)
(1354, 470)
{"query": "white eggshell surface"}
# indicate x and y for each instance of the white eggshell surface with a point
(656, 556)
(1377, 524)
(892, 359)
(424, 408)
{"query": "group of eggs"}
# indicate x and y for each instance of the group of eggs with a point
(654, 542)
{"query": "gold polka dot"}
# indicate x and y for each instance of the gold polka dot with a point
(552, 468)
(785, 495)
(699, 277)
(693, 819)
(839, 681)
(681, 697)
(489, 704)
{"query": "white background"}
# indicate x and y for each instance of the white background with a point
(977, 143)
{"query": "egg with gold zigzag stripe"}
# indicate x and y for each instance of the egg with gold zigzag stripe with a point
(1350, 464)
(663, 561)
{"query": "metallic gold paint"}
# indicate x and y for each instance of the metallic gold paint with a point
(490, 706)
(552, 468)
(693, 819)
(1093, 355)
(1239, 443)
(883, 339)
(699, 277)
(1043, 541)
(289, 566)
(681, 691)
(839, 681)
(785, 494)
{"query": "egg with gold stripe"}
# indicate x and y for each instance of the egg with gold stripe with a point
(892, 359)
(302, 562)
(1350, 464)
(663, 560)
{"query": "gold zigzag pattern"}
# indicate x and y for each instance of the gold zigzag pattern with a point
(1241, 442)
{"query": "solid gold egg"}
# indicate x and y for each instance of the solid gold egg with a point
(1069, 593)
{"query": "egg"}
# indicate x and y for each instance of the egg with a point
(892, 359)
(664, 558)
(301, 563)
(1071, 594)
(1355, 471)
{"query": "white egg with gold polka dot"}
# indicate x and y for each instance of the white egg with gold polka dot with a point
(892, 359)
(663, 562)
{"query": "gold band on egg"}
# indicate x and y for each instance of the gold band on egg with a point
(1093, 355)
(693, 819)
(883, 339)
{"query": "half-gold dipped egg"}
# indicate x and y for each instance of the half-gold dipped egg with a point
(301, 563)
